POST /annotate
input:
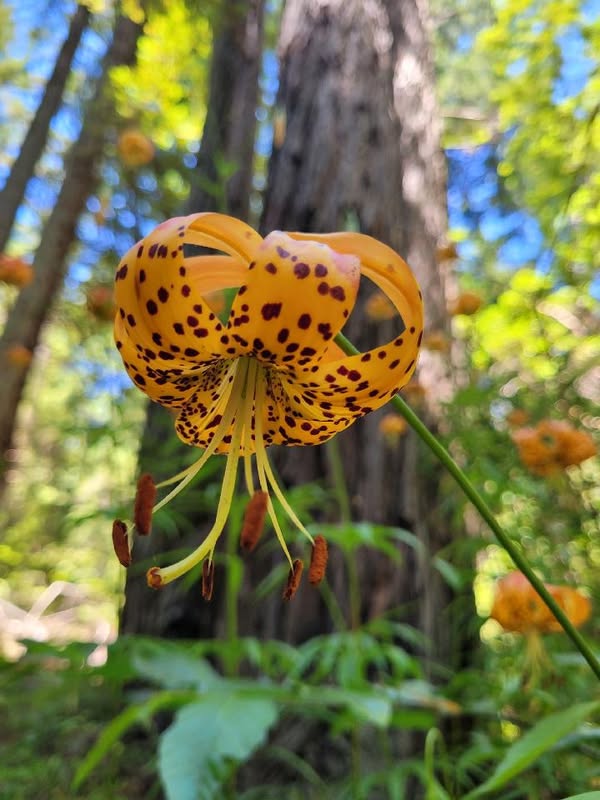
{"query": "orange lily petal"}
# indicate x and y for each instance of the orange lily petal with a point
(358, 384)
(296, 298)
(164, 330)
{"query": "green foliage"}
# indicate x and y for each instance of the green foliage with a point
(547, 733)
(168, 103)
(554, 127)
(207, 739)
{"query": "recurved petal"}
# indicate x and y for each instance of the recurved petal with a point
(383, 266)
(292, 416)
(156, 372)
(164, 328)
(296, 298)
(358, 384)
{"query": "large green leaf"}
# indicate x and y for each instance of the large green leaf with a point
(173, 666)
(585, 796)
(195, 752)
(526, 750)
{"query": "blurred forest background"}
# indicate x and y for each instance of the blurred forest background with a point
(465, 134)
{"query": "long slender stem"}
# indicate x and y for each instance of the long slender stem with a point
(343, 498)
(486, 513)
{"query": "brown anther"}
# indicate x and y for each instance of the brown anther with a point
(293, 581)
(254, 521)
(144, 501)
(154, 579)
(318, 561)
(208, 578)
(121, 542)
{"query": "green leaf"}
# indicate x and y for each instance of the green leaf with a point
(533, 744)
(585, 796)
(173, 666)
(134, 715)
(194, 753)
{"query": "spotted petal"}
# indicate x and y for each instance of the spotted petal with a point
(296, 298)
(165, 330)
(355, 385)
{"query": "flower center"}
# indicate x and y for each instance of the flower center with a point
(241, 400)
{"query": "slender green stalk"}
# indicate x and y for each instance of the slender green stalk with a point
(345, 508)
(486, 513)
(339, 480)
(343, 498)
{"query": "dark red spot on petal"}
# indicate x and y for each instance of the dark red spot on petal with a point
(271, 310)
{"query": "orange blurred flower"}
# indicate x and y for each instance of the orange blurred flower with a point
(447, 252)
(392, 427)
(552, 445)
(436, 341)
(15, 271)
(100, 303)
(19, 355)
(414, 391)
(135, 149)
(379, 308)
(517, 417)
(519, 609)
(466, 303)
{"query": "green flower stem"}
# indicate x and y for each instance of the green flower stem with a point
(341, 492)
(477, 500)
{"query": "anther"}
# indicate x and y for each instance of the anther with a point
(144, 501)
(121, 542)
(294, 578)
(254, 521)
(208, 578)
(154, 579)
(318, 561)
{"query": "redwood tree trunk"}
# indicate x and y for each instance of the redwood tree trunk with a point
(33, 303)
(362, 148)
(35, 140)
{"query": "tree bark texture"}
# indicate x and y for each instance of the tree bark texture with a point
(31, 309)
(230, 126)
(22, 170)
(362, 149)
(229, 133)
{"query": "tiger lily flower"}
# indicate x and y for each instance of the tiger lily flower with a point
(271, 374)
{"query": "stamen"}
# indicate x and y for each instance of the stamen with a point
(238, 393)
(318, 561)
(208, 578)
(154, 578)
(221, 430)
(294, 578)
(254, 521)
(121, 542)
(144, 501)
(262, 460)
